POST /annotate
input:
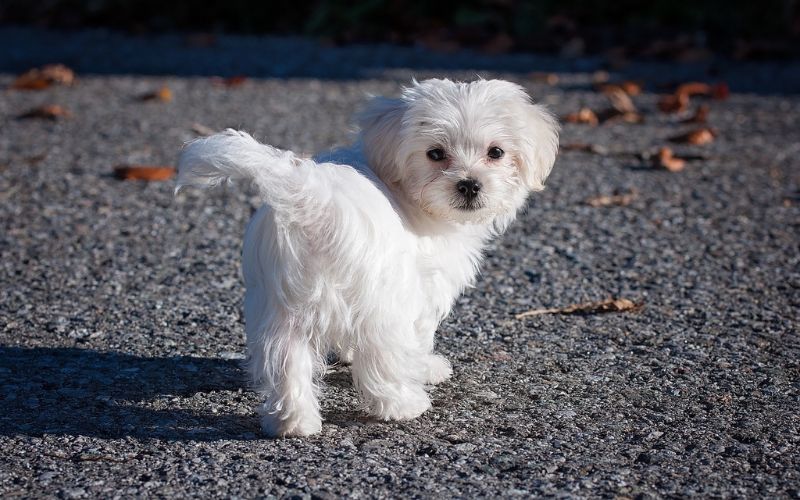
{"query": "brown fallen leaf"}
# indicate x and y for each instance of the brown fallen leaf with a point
(673, 103)
(679, 99)
(605, 87)
(622, 107)
(615, 200)
(163, 94)
(41, 78)
(619, 100)
(717, 91)
(585, 148)
(231, 81)
(48, 111)
(700, 115)
(720, 91)
(691, 89)
(548, 78)
(584, 115)
(35, 159)
(143, 173)
(697, 137)
(612, 115)
(630, 87)
(666, 160)
(603, 306)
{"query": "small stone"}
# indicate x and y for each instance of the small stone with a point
(566, 414)
(465, 448)
(487, 395)
(47, 476)
(75, 492)
(654, 435)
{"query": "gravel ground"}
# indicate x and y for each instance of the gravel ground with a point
(120, 309)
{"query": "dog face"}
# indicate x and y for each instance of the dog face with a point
(461, 152)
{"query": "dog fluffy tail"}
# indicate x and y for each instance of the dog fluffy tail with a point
(233, 155)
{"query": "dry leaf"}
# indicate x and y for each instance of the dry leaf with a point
(631, 88)
(665, 159)
(584, 115)
(35, 159)
(603, 306)
(717, 91)
(41, 78)
(628, 86)
(696, 137)
(620, 100)
(231, 81)
(548, 78)
(612, 115)
(585, 148)
(720, 91)
(679, 100)
(700, 115)
(606, 87)
(673, 103)
(632, 117)
(693, 88)
(615, 200)
(143, 173)
(49, 111)
(164, 94)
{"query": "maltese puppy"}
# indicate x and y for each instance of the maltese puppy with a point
(362, 251)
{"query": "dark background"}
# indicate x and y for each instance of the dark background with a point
(744, 29)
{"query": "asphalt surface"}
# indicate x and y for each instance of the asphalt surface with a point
(120, 308)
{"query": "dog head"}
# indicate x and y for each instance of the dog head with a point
(461, 152)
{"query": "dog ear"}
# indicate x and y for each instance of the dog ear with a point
(380, 123)
(538, 144)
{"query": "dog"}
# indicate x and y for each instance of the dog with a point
(362, 251)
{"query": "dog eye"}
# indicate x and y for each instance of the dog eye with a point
(436, 154)
(495, 152)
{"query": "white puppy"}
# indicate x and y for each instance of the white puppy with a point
(363, 251)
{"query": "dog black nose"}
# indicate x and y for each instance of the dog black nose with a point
(469, 188)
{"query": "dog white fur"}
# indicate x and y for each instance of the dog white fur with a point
(363, 251)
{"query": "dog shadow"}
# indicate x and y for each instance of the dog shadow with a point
(69, 391)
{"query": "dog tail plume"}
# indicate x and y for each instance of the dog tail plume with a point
(233, 155)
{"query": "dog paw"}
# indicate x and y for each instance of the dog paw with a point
(437, 369)
(275, 426)
(410, 403)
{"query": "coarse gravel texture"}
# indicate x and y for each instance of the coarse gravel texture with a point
(120, 309)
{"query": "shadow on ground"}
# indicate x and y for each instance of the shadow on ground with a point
(113, 395)
(81, 392)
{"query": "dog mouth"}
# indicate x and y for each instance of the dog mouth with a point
(468, 205)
